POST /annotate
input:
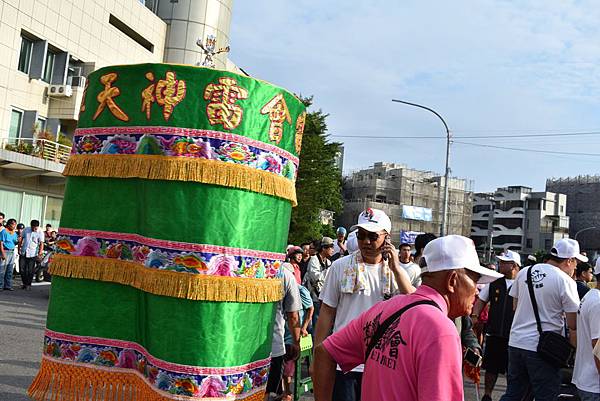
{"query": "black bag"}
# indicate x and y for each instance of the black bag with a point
(554, 348)
(391, 319)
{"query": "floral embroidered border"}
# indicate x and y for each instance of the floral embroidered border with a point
(185, 142)
(234, 382)
(170, 255)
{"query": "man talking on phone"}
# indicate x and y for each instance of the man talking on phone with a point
(355, 283)
(409, 345)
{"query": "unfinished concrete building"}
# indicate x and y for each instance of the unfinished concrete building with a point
(412, 198)
(583, 207)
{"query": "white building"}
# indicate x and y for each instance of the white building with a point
(522, 220)
(47, 48)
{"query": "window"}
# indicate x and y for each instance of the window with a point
(49, 66)
(562, 208)
(25, 55)
(547, 244)
(529, 243)
(16, 121)
(41, 124)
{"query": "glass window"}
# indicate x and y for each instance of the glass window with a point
(16, 120)
(49, 67)
(53, 209)
(25, 55)
(41, 124)
(32, 208)
(11, 204)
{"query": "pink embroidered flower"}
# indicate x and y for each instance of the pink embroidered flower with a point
(127, 359)
(67, 353)
(88, 144)
(222, 265)
(140, 253)
(87, 246)
(212, 386)
(273, 269)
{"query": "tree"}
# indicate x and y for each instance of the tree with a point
(319, 181)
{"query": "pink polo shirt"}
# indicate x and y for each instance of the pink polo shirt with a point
(422, 359)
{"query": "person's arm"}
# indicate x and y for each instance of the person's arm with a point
(40, 249)
(2, 250)
(468, 338)
(479, 305)
(307, 319)
(323, 374)
(293, 322)
(400, 275)
(324, 322)
(572, 325)
(596, 344)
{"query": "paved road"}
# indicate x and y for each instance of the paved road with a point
(22, 322)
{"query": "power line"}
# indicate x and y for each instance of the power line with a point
(528, 150)
(473, 136)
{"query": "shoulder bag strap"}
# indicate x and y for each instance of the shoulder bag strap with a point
(533, 300)
(391, 319)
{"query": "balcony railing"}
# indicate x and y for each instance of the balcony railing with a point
(42, 148)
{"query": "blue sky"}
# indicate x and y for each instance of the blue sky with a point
(489, 67)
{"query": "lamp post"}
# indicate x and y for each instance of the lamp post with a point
(443, 227)
(582, 230)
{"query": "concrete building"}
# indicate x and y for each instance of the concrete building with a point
(518, 218)
(413, 199)
(583, 207)
(48, 47)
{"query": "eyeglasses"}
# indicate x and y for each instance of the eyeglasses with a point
(327, 246)
(362, 235)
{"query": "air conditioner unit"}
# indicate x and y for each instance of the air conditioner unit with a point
(78, 81)
(60, 91)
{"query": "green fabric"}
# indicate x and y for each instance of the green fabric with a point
(177, 211)
(210, 334)
(191, 111)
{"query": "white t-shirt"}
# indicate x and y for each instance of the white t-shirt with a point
(350, 306)
(555, 293)
(585, 374)
(484, 294)
(414, 273)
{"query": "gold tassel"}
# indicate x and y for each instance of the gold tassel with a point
(66, 381)
(172, 168)
(197, 287)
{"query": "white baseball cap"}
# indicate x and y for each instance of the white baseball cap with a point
(454, 252)
(373, 220)
(567, 248)
(597, 267)
(510, 256)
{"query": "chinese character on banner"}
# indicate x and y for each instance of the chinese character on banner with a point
(278, 113)
(85, 89)
(167, 93)
(299, 131)
(105, 98)
(222, 107)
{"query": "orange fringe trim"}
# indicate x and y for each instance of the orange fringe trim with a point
(57, 381)
(155, 167)
(197, 287)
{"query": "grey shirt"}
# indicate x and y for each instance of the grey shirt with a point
(290, 302)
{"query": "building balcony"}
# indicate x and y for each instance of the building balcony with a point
(65, 102)
(27, 158)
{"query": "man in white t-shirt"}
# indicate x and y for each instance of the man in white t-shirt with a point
(355, 283)
(556, 295)
(500, 318)
(412, 269)
(586, 375)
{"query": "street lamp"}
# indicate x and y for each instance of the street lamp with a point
(582, 230)
(446, 175)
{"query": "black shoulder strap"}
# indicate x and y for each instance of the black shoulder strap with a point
(533, 300)
(391, 319)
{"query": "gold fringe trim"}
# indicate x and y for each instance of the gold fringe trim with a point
(197, 287)
(155, 167)
(57, 381)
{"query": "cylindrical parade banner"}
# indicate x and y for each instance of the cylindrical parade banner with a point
(174, 223)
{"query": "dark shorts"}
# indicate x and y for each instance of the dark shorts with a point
(275, 372)
(495, 357)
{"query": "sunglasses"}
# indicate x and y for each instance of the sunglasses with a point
(363, 235)
(327, 246)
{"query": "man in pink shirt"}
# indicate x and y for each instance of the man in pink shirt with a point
(411, 352)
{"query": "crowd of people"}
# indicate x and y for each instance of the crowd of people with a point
(22, 250)
(404, 324)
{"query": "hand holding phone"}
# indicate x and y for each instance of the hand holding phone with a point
(385, 254)
(473, 358)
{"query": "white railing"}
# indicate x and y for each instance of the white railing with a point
(42, 148)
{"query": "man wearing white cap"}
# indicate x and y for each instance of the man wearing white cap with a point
(409, 344)
(555, 294)
(355, 283)
(495, 359)
(586, 375)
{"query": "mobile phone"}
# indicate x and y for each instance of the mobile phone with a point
(386, 242)
(472, 358)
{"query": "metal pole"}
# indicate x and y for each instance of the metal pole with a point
(443, 228)
(582, 230)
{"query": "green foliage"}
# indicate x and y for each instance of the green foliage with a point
(63, 139)
(319, 182)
